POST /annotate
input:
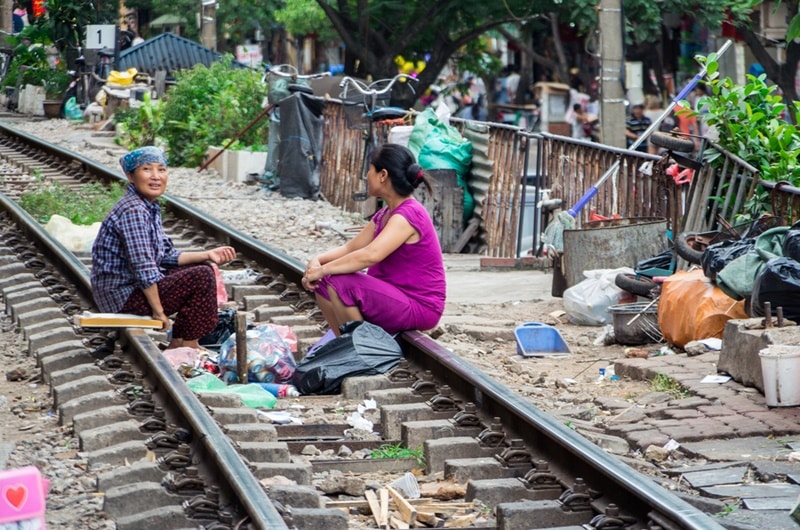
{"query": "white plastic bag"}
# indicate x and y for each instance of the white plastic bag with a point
(400, 134)
(587, 303)
(75, 238)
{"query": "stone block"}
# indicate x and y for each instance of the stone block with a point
(740, 346)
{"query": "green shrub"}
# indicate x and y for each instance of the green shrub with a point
(84, 206)
(138, 127)
(752, 123)
(208, 105)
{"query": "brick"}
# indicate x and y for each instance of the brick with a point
(682, 414)
(744, 426)
(742, 405)
(777, 423)
(714, 393)
(689, 403)
(624, 429)
(716, 410)
(693, 430)
(644, 439)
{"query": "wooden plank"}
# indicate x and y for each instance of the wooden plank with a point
(407, 511)
(374, 506)
(427, 505)
(384, 505)
(429, 518)
(396, 522)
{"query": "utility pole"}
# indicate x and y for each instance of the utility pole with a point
(612, 70)
(208, 23)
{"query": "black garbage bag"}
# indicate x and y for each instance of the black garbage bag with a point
(791, 244)
(779, 284)
(226, 326)
(662, 260)
(718, 255)
(361, 349)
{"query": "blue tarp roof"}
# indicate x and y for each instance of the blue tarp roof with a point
(167, 52)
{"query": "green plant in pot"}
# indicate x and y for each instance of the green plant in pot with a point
(56, 83)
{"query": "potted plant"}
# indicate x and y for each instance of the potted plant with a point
(55, 85)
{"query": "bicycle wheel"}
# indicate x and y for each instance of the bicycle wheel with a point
(82, 91)
(686, 245)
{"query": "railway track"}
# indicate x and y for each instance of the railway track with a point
(173, 459)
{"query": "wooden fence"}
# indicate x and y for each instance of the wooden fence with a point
(567, 167)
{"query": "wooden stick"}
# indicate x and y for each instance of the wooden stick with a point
(375, 506)
(429, 518)
(425, 504)
(238, 135)
(408, 512)
(396, 522)
(384, 506)
(241, 347)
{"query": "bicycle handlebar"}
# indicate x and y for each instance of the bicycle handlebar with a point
(372, 91)
(274, 70)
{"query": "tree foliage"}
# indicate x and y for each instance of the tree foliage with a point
(304, 17)
(374, 32)
(237, 20)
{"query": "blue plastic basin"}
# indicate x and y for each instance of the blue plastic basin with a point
(535, 339)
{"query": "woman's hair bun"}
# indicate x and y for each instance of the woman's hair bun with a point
(414, 174)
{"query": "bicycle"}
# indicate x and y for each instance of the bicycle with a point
(366, 105)
(86, 81)
(282, 81)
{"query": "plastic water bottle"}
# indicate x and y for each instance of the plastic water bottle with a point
(280, 390)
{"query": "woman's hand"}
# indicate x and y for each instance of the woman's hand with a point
(221, 255)
(312, 275)
(166, 323)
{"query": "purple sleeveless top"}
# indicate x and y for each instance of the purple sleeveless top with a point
(417, 269)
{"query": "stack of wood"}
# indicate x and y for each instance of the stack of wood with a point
(391, 509)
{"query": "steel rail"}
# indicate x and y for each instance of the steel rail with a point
(496, 399)
(251, 495)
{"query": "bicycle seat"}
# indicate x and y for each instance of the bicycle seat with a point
(106, 52)
(305, 89)
(387, 113)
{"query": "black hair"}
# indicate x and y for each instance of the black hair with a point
(404, 172)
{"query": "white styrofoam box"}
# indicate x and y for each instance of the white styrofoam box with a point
(242, 163)
(220, 164)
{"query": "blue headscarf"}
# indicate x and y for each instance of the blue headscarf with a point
(143, 155)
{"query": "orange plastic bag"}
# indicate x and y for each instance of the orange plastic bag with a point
(691, 308)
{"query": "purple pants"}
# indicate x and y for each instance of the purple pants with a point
(380, 302)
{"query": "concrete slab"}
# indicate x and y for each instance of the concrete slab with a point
(753, 491)
(758, 520)
(737, 449)
(771, 503)
(731, 475)
(465, 278)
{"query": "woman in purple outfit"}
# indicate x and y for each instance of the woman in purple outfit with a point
(404, 285)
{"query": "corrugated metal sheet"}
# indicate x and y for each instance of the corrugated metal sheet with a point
(479, 179)
(167, 52)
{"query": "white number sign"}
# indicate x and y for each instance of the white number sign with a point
(100, 36)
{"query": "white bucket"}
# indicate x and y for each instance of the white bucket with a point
(780, 370)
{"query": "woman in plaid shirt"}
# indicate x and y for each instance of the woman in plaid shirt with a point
(137, 270)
